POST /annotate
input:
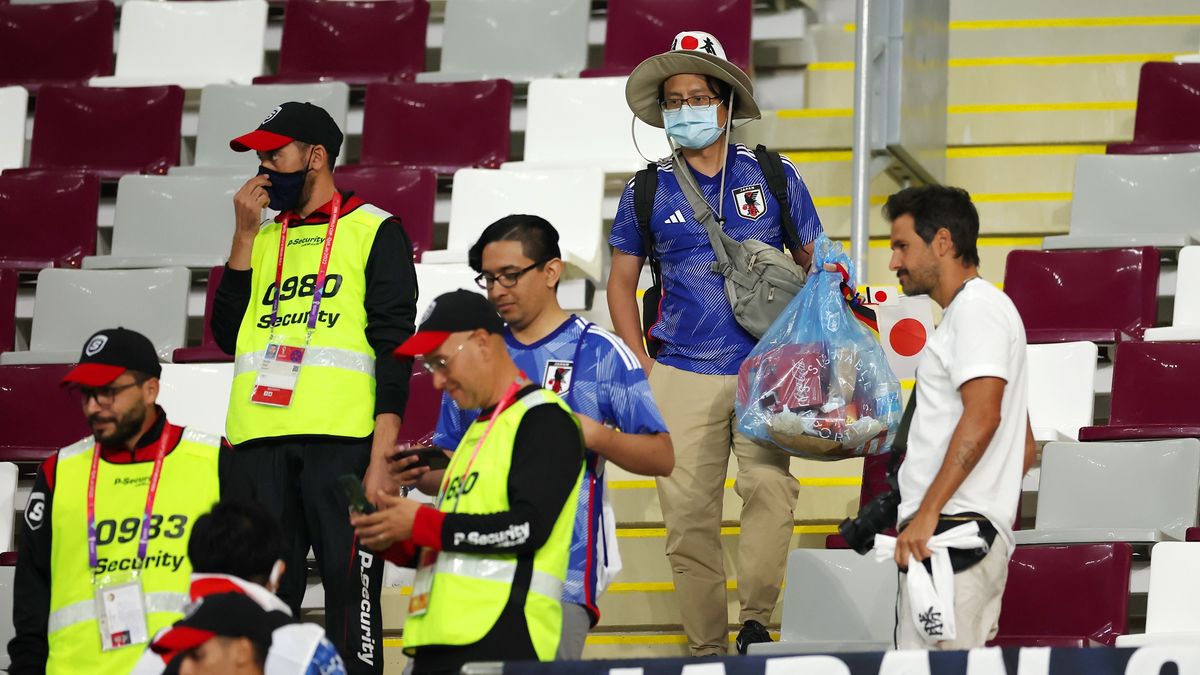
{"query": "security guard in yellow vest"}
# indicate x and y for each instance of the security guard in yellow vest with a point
(492, 556)
(308, 303)
(102, 561)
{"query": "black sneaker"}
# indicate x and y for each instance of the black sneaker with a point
(751, 632)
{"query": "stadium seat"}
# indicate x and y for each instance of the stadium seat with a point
(407, 193)
(230, 110)
(8, 493)
(638, 29)
(354, 42)
(1096, 296)
(73, 304)
(1171, 616)
(1065, 596)
(14, 103)
(1168, 111)
(1104, 492)
(443, 127)
(1133, 200)
(196, 395)
(207, 351)
(37, 415)
(190, 44)
(29, 59)
(434, 280)
(58, 241)
(1153, 393)
(108, 132)
(424, 405)
(9, 280)
(479, 37)
(1185, 323)
(1061, 389)
(171, 221)
(8, 507)
(558, 109)
(571, 199)
(835, 601)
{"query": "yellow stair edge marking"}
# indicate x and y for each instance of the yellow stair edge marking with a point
(963, 152)
(1069, 22)
(662, 639)
(659, 586)
(652, 532)
(992, 61)
(977, 197)
(1072, 106)
(815, 481)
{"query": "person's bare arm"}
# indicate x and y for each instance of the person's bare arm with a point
(981, 399)
(643, 454)
(623, 304)
(803, 255)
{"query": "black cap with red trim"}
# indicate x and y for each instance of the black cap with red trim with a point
(292, 121)
(454, 312)
(231, 615)
(111, 352)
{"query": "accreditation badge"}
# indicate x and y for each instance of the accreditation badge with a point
(279, 373)
(121, 611)
(418, 604)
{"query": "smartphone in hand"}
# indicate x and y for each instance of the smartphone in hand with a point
(355, 497)
(434, 458)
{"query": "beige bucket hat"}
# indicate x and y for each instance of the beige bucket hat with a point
(691, 51)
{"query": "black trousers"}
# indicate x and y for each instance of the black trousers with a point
(298, 482)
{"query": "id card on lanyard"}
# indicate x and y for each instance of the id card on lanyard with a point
(418, 603)
(283, 357)
(120, 599)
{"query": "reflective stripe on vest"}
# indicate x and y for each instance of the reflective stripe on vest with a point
(85, 610)
(329, 357)
(490, 568)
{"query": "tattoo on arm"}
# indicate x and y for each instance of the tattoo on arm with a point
(967, 457)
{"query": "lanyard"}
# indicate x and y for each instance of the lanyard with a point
(335, 207)
(93, 558)
(505, 401)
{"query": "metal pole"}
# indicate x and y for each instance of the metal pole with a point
(860, 216)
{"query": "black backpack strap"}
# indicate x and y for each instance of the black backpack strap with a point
(645, 185)
(772, 167)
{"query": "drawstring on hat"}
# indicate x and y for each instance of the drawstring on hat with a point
(633, 135)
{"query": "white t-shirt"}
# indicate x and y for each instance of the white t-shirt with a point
(981, 335)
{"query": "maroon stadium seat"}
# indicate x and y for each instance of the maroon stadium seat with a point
(1065, 596)
(208, 351)
(638, 29)
(1168, 111)
(82, 44)
(62, 239)
(440, 126)
(1084, 295)
(36, 415)
(407, 193)
(8, 309)
(1153, 393)
(355, 42)
(107, 131)
(424, 404)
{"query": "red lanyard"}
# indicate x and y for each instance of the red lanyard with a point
(509, 396)
(93, 557)
(335, 207)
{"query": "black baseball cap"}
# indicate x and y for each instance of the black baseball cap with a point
(111, 352)
(454, 312)
(292, 121)
(231, 615)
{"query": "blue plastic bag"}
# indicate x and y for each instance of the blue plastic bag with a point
(818, 384)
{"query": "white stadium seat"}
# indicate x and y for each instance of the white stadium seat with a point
(1185, 324)
(196, 395)
(1061, 389)
(1171, 616)
(14, 104)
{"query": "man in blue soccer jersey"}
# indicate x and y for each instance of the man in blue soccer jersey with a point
(520, 265)
(694, 93)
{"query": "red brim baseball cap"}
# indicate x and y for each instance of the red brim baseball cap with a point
(422, 343)
(93, 374)
(181, 639)
(259, 140)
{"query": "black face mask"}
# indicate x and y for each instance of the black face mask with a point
(285, 189)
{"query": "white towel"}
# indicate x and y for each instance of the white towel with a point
(931, 601)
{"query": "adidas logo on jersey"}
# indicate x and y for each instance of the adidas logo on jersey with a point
(676, 217)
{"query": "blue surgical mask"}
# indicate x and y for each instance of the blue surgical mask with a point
(693, 128)
(285, 188)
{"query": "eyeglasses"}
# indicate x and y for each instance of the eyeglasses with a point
(104, 395)
(439, 364)
(692, 102)
(507, 280)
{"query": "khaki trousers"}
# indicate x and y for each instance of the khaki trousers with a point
(698, 410)
(977, 595)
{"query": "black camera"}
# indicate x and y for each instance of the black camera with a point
(874, 517)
